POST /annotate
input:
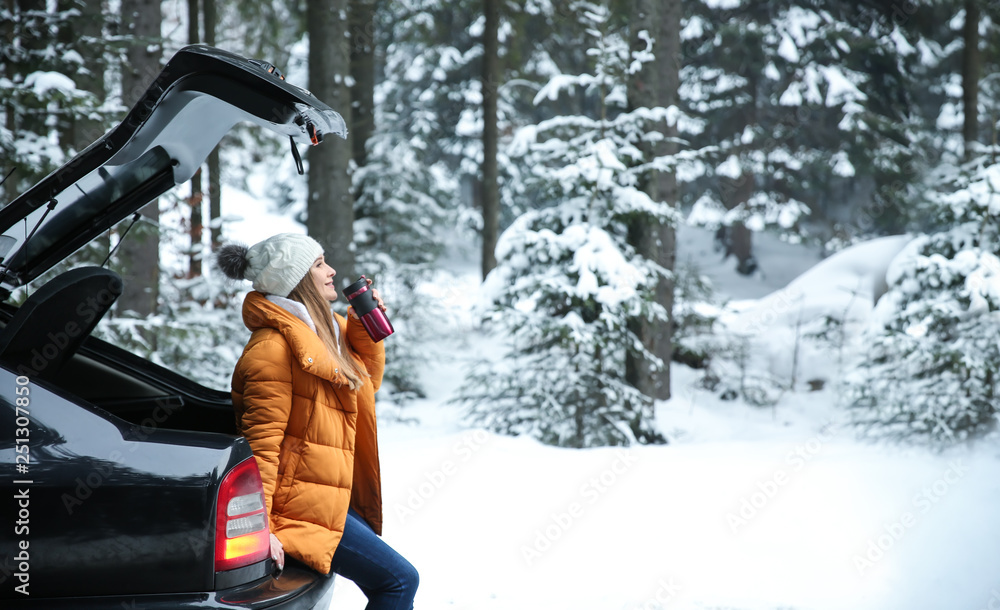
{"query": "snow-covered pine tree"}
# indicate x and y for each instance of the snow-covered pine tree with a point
(567, 280)
(409, 188)
(41, 60)
(937, 48)
(430, 53)
(931, 370)
(403, 202)
(806, 105)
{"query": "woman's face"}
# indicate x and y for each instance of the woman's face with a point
(322, 275)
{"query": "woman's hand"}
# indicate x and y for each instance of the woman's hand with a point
(378, 299)
(277, 552)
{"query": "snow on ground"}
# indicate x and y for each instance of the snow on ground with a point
(748, 512)
(746, 509)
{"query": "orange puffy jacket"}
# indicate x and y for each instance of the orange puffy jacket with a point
(313, 437)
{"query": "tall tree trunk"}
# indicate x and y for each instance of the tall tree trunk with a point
(737, 191)
(642, 90)
(330, 206)
(656, 86)
(970, 75)
(7, 31)
(214, 164)
(32, 39)
(668, 65)
(362, 41)
(490, 85)
(140, 252)
(87, 32)
(197, 195)
(733, 193)
(196, 228)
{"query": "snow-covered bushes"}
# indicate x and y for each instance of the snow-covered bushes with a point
(724, 355)
(934, 357)
(694, 314)
(803, 337)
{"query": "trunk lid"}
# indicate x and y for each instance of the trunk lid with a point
(199, 96)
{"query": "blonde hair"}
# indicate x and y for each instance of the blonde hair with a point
(305, 292)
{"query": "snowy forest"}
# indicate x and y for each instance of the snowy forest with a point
(607, 225)
(570, 139)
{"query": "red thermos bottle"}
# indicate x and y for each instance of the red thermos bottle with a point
(360, 297)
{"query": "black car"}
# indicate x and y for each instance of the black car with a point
(123, 484)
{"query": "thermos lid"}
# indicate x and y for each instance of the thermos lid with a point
(355, 287)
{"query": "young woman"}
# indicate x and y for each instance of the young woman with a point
(304, 395)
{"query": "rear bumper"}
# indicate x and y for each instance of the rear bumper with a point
(297, 588)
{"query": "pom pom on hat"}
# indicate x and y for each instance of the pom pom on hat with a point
(275, 265)
(232, 260)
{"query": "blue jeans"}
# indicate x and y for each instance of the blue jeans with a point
(383, 575)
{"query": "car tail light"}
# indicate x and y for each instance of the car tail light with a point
(241, 533)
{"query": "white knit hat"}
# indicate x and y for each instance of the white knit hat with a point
(275, 265)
